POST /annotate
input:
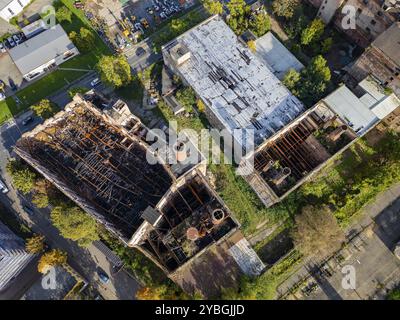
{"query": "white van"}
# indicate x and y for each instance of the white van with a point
(3, 187)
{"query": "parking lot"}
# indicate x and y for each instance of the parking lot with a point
(132, 20)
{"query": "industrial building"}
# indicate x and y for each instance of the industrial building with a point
(381, 60)
(96, 153)
(372, 17)
(301, 149)
(13, 257)
(43, 52)
(240, 91)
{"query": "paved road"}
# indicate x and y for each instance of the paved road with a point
(142, 55)
(122, 285)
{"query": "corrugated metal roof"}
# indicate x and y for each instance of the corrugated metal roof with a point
(41, 49)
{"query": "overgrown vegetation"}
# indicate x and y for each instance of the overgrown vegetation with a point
(241, 18)
(264, 287)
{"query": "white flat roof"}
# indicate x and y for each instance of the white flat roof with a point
(362, 113)
(276, 55)
(237, 86)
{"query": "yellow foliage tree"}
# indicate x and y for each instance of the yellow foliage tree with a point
(35, 244)
(200, 106)
(52, 258)
(252, 45)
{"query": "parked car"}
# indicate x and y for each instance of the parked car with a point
(2, 96)
(2, 47)
(12, 84)
(28, 210)
(104, 278)
(11, 42)
(3, 187)
(27, 120)
(95, 82)
(17, 39)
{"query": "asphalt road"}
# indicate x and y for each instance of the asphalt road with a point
(122, 285)
(142, 55)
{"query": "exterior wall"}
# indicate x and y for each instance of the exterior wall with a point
(13, 257)
(371, 21)
(373, 62)
(13, 9)
(328, 8)
(56, 61)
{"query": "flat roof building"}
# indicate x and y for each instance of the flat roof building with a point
(43, 52)
(238, 89)
(275, 55)
(301, 149)
(13, 257)
(100, 159)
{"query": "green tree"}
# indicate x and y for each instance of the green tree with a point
(213, 6)
(326, 45)
(394, 294)
(52, 258)
(315, 79)
(114, 71)
(73, 223)
(73, 91)
(187, 98)
(260, 24)
(35, 244)
(23, 178)
(84, 41)
(239, 14)
(63, 14)
(313, 32)
(252, 45)
(291, 80)
(45, 108)
(40, 200)
(317, 232)
(285, 8)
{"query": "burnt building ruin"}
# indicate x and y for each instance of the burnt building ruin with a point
(95, 152)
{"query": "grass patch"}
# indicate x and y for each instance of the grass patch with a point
(177, 26)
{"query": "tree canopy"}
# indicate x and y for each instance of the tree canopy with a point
(45, 108)
(63, 14)
(35, 244)
(213, 6)
(73, 223)
(114, 71)
(52, 258)
(317, 232)
(285, 8)
(313, 32)
(84, 40)
(260, 24)
(23, 178)
(311, 83)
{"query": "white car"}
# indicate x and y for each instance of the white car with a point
(2, 96)
(3, 187)
(2, 48)
(95, 82)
